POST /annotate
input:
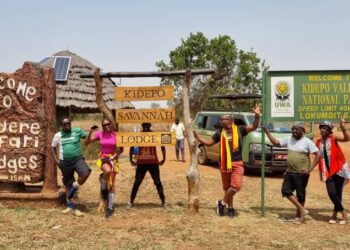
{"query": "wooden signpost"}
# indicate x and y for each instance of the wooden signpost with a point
(159, 138)
(130, 139)
(145, 115)
(27, 104)
(150, 93)
(27, 125)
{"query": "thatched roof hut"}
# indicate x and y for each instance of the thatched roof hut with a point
(77, 95)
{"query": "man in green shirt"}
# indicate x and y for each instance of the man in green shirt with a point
(70, 160)
(299, 167)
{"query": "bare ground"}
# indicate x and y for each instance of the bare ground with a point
(148, 226)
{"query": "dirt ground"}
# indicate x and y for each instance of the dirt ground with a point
(149, 226)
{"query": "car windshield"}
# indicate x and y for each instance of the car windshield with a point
(279, 127)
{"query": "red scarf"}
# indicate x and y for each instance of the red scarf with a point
(337, 158)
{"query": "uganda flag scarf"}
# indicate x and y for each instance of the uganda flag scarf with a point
(225, 151)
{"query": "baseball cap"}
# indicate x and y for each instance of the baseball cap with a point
(327, 124)
(298, 125)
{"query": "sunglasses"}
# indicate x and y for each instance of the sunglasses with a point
(105, 125)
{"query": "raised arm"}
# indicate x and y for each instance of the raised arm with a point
(345, 136)
(257, 112)
(272, 139)
(88, 139)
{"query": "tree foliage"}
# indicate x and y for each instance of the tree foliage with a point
(238, 71)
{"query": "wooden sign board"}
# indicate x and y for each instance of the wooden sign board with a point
(145, 115)
(151, 93)
(24, 123)
(129, 139)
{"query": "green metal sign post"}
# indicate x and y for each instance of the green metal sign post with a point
(262, 206)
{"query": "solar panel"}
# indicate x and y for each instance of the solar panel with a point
(46, 60)
(61, 66)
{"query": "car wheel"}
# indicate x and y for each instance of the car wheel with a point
(202, 157)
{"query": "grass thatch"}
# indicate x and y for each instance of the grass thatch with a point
(78, 93)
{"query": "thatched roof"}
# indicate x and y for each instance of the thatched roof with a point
(78, 93)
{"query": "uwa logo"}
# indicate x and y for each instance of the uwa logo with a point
(282, 91)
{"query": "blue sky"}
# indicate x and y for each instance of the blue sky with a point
(133, 35)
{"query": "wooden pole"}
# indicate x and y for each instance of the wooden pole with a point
(150, 73)
(192, 173)
(99, 99)
(49, 101)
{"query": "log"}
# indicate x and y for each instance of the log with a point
(99, 99)
(150, 73)
(192, 174)
(49, 101)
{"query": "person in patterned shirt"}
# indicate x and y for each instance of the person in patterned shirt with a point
(147, 161)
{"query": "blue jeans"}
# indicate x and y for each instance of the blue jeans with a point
(180, 145)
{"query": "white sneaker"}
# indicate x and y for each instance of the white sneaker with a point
(78, 213)
(130, 205)
(165, 205)
(67, 210)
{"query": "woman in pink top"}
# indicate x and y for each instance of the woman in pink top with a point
(108, 161)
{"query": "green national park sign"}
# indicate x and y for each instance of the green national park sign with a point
(307, 95)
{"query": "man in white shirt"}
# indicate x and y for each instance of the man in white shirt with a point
(179, 130)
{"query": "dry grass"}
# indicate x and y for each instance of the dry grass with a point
(148, 226)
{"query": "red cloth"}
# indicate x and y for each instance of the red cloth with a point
(337, 158)
(233, 178)
(147, 156)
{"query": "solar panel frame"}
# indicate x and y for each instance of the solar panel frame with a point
(61, 66)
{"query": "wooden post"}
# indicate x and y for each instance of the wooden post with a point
(192, 173)
(49, 101)
(153, 73)
(99, 99)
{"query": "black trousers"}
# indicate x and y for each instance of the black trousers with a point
(297, 182)
(335, 186)
(141, 171)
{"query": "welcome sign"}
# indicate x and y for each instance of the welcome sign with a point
(23, 124)
(307, 95)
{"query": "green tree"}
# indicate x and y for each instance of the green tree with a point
(238, 71)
